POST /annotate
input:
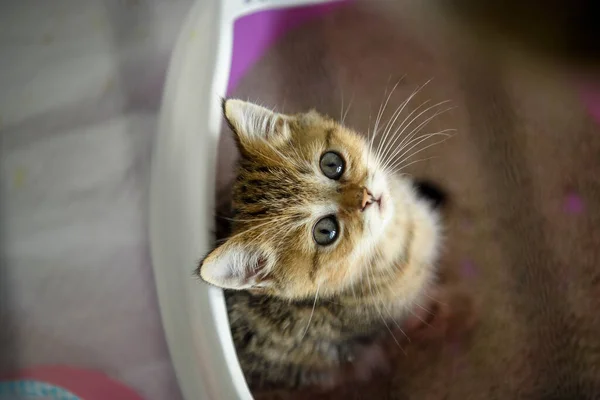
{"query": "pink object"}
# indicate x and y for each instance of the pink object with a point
(255, 33)
(573, 204)
(591, 98)
(468, 269)
(86, 384)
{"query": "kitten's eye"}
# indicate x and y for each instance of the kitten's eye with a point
(332, 165)
(326, 230)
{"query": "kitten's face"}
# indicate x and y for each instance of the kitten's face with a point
(312, 206)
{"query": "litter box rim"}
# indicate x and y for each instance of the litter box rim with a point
(181, 219)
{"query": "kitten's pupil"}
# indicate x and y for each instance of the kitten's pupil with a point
(332, 165)
(326, 230)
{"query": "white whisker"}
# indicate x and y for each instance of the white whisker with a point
(399, 163)
(400, 131)
(395, 115)
(391, 333)
(382, 109)
(415, 130)
(343, 120)
(424, 309)
(389, 126)
(434, 299)
(398, 169)
(416, 142)
(423, 123)
(270, 221)
(312, 312)
(370, 271)
(417, 316)
(342, 106)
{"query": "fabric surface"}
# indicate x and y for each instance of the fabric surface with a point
(522, 176)
(81, 83)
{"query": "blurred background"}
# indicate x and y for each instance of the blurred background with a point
(80, 89)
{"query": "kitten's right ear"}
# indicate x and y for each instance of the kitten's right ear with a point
(251, 123)
(234, 266)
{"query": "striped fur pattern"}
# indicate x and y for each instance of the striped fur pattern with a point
(300, 310)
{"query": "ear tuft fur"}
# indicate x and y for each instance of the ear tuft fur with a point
(231, 266)
(252, 123)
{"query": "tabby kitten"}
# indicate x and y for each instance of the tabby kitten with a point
(328, 249)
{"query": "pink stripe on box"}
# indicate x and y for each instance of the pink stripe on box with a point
(253, 34)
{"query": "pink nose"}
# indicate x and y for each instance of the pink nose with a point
(367, 199)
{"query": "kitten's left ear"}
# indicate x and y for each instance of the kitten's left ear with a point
(236, 266)
(251, 122)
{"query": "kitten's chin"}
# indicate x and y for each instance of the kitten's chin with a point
(413, 230)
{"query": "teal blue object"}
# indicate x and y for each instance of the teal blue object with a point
(29, 389)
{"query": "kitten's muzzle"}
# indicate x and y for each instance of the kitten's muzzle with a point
(356, 198)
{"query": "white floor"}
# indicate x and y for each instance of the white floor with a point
(80, 87)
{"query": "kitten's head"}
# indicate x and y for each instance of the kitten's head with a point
(313, 208)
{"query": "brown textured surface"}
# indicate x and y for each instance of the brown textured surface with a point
(525, 150)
